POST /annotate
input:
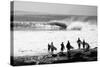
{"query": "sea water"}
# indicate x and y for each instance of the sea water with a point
(36, 42)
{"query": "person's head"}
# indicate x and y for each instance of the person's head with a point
(78, 38)
(68, 41)
(51, 43)
(83, 40)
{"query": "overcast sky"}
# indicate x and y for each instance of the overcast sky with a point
(51, 8)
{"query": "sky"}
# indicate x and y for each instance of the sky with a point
(58, 9)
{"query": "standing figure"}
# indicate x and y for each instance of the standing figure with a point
(62, 47)
(68, 46)
(84, 44)
(52, 48)
(79, 43)
(49, 47)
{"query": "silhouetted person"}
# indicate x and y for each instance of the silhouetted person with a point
(84, 44)
(53, 48)
(62, 47)
(68, 46)
(79, 43)
(49, 47)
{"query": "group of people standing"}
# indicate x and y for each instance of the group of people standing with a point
(80, 43)
(84, 44)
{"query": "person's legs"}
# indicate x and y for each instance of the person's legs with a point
(48, 49)
(83, 46)
(51, 51)
(68, 52)
(61, 49)
(79, 45)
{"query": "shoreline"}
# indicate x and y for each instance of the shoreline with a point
(78, 55)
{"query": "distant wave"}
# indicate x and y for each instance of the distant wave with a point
(82, 26)
(53, 26)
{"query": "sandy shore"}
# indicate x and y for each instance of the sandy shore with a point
(76, 55)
